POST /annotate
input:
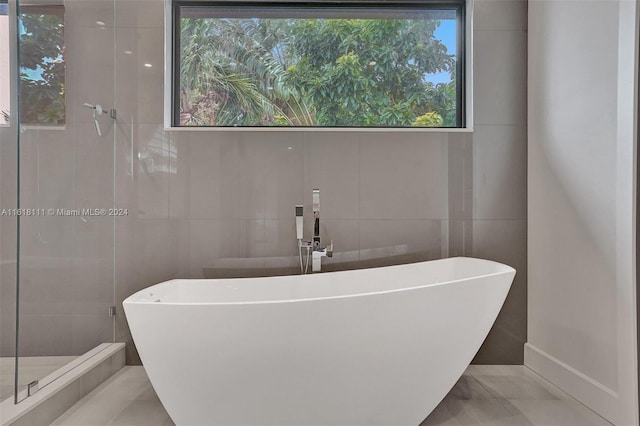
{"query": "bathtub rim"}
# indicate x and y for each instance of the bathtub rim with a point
(504, 269)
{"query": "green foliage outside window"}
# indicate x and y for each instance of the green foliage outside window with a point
(314, 72)
(42, 67)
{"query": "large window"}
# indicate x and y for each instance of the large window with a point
(318, 65)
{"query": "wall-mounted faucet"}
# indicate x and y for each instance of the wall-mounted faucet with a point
(313, 246)
(316, 219)
(318, 254)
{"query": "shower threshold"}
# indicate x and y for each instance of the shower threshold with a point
(64, 387)
(33, 366)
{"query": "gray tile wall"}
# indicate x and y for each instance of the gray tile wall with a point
(378, 191)
(7, 241)
(197, 198)
(499, 163)
(151, 169)
(423, 196)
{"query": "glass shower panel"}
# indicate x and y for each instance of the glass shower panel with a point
(8, 203)
(67, 136)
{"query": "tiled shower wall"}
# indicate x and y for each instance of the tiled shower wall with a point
(7, 242)
(198, 198)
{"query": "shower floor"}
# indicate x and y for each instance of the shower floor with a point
(31, 368)
(491, 395)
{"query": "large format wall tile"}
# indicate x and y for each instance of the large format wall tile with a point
(205, 178)
(152, 253)
(139, 13)
(280, 248)
(245, 176)
(179, 176)
(505, 241)
(89, 14)
(49, 171)
(499, 172)
(139, 58)
(460, 176)
(400, 237)
(345, 235)
(153, 171)
(89, 71)
(7, 309)
(52, 335)
(403, 176)
(504, 15)
(331, 164)
(500, 77)
(214, 242)
(272, 163)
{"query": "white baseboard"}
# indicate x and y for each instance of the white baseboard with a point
(585, 389)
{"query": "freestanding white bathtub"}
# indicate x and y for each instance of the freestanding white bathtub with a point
(378, 346)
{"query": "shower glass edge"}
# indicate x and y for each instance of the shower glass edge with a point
(73, 256)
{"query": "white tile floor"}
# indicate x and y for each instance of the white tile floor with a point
(485, 395)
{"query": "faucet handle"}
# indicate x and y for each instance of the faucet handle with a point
(330, 249)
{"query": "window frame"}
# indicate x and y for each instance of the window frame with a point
(463, 10)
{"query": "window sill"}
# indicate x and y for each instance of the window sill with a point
(38, 127)
(323, 129)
